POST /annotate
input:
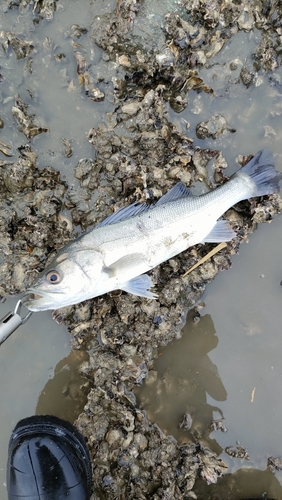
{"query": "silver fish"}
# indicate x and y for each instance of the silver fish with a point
(116, 253)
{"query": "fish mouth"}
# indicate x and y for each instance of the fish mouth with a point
(31, 296)
(35, 300)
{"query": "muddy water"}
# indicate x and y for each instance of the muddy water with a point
(53, 85)
(227, 365)
(38, 371)
(39, 375)
(254, 112)
(29, 366)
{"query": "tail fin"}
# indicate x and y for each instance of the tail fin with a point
(263, 174)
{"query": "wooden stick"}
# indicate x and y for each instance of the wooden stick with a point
(206, 257)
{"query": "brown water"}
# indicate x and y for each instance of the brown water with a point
(233, 354)
(39, 375)
(253, 112)
(38, 371)
(227, 365)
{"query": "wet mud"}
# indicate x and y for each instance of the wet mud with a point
(141, 67)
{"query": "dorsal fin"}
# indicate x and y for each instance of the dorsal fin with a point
(124, 213)
(178, 191)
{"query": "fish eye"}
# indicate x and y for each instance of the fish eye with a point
(53, 277)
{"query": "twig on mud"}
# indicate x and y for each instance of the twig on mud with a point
(206, 257)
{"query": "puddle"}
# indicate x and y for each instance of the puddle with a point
(247, 483)
(27, 362)
(38, 371)
(227, 366)
(39, 375)
(251, 112)
(65, 394)
(53, 85)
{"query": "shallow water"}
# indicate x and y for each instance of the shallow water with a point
(39, 375)
(254, 112)
(64, 109)
(227, 366)
(38, 372)
(228, 358)
(27, 360)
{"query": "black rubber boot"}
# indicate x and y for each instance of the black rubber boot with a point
(48, 460)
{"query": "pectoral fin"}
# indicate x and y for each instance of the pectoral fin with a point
(140, 286)
(222, 231)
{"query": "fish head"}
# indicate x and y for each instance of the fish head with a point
(66, 281)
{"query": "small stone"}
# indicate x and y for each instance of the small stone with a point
(96, 95)
(114, 436)
(131, 108)
(124, 61)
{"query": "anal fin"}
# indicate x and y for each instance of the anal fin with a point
(222, 231)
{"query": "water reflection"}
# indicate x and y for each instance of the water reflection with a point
(27, 360)
(237, 352)
(246, 483)
(65, 394)
(186, 375)
(186, 380)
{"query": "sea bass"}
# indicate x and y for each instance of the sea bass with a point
(117, 252)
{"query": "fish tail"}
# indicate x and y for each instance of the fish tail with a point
(261, 170)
